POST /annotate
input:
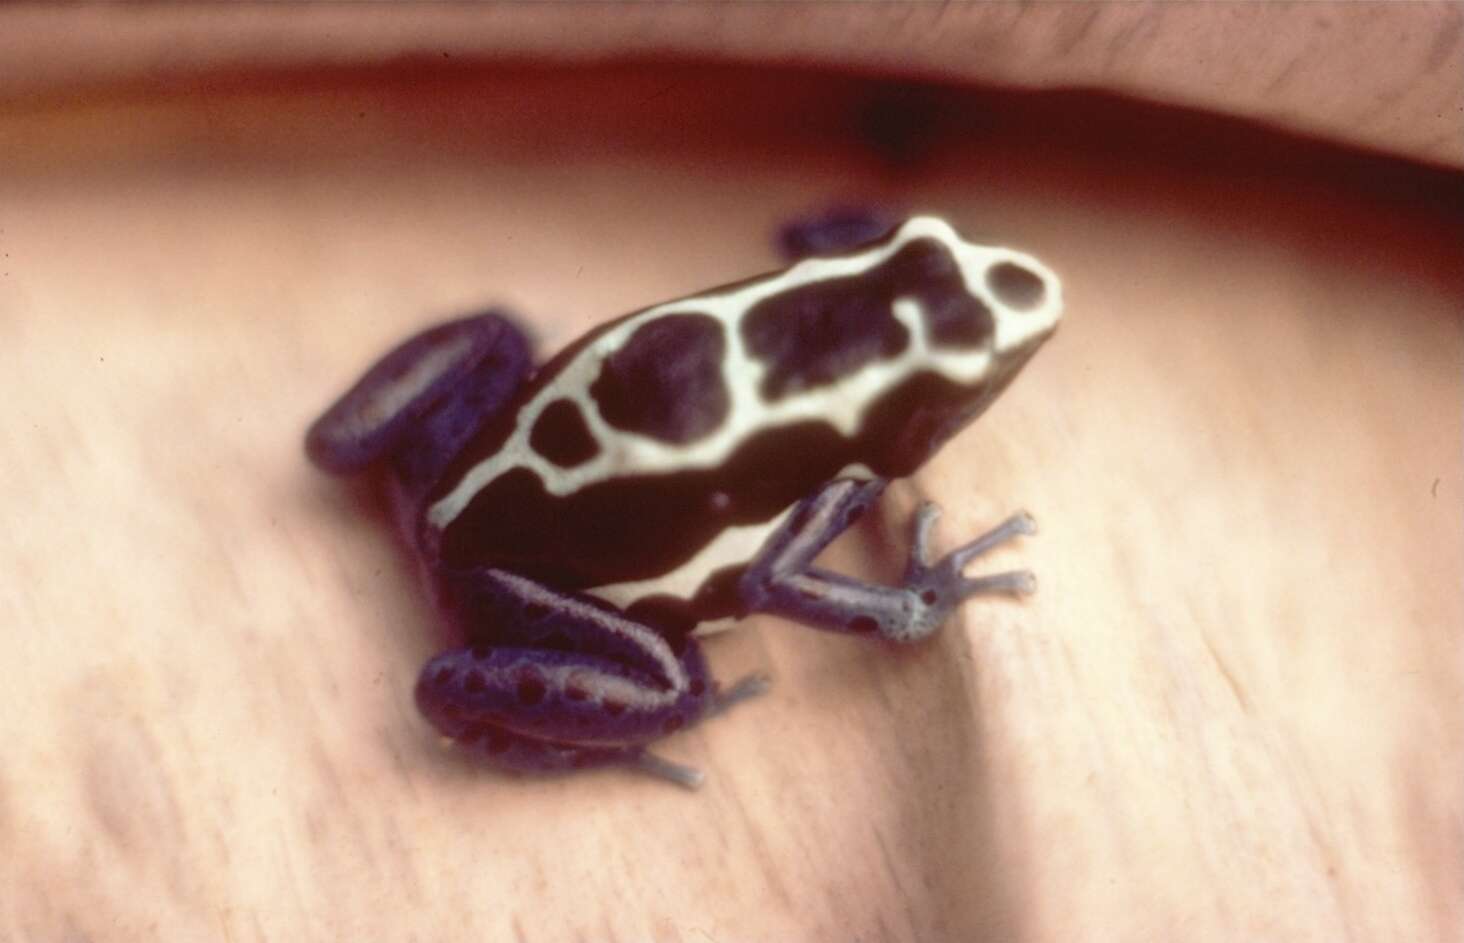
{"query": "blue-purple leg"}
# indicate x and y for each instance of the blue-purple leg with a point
(421, 402)
(782, 579)
(835, 231)
(566, 682)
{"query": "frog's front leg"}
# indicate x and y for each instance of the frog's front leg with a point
(782, 579)
(564, 682)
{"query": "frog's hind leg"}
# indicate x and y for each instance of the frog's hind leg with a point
(559, 681)
(782, 579)
(511, 751)
(424, 399)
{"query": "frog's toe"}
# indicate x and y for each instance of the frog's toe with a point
(687, 777)
(946, 576)
(743, 689)
(551, 695)
(1020, 524)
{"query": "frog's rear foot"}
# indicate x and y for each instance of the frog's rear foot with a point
(835, 231)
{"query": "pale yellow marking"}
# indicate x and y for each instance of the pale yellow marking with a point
(842, 404)
(733, 545)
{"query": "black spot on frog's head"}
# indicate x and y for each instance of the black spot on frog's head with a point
(819, 333)
(666, 380)
(561, 435)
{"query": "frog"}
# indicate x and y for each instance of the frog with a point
(582, 525)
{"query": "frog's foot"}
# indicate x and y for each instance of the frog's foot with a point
(835, 231)
(941, 586)
(783, 581)
(690, 777)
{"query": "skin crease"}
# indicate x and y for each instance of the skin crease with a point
(1229, 712)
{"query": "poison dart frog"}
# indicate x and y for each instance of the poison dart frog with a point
(581, 524)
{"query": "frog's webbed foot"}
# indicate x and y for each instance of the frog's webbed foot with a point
(834, 231)
(782, 579)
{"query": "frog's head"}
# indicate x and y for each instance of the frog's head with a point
(958, 322)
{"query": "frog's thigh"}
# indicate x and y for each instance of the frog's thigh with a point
(557, 667)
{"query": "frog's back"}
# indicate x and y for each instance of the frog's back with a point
(698, 423)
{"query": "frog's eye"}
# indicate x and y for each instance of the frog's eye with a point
(1016, 286)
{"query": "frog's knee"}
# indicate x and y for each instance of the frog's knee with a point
(370, 419)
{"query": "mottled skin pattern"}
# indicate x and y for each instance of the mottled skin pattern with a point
(677, 467)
